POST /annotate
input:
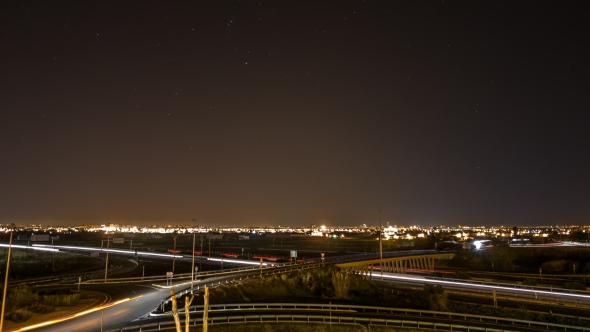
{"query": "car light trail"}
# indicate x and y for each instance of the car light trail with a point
(532, 291)
(18, 246)
(128, 252)
(86, 312)
(236, 261)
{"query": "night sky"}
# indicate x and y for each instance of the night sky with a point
(295, 112)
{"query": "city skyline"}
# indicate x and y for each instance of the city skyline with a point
(290, 113)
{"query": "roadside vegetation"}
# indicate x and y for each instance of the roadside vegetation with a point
(341, 286)
(502, 258)
(31, 264)
(23, 302)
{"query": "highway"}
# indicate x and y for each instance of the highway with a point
(132, 302)
(537, 293)
(138, 299)
(325, 313)
(145, 298)
(555, 301)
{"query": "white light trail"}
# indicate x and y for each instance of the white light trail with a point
(532, 291)
(18, 246)
(128, 252)
(236, 261)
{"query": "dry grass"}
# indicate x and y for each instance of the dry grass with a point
(59, 312)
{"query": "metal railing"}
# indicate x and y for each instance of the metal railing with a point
(381, 310)
(283, 268)
(336, 318)
(256, 273)
(62, 278)
(375, 255)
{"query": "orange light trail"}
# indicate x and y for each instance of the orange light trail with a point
(85, 312)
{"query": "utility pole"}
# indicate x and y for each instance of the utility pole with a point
(201, 259)
(6, 282)
(209, 249)
(106, 267)
(52, 256)
(206, 309)
(380, 248)
(193, 268)
(174, 259)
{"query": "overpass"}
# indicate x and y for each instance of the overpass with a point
(398, 264)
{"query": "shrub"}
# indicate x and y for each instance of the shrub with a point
(41, 308)
(85, 295)
(554, 266)
(341, 282)
(435, 297)
(19, 315)
(462, 275)
(529, 282)
(61, 299)
(58, 291)
(574, 285)
(21, 296)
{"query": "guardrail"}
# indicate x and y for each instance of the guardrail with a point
(136, 279)
(335, 318)
(71, 277)
(199, 274)
(383, 310)
(315, 319)
(62, 278)
(258, 273)
(375, 255)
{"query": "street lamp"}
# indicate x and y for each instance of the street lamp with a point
(5, 283)
(201, 256)
(52, 255)
(174, 259)
(380, 248)
(106, 268)
(193, 267)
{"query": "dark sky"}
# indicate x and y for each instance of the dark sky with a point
(295, 113)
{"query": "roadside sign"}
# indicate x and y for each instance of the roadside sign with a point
(169, 274)
(118, 240)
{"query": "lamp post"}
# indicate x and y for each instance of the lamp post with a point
(174, 259)
(52, 255)
(193, 268)
(201, 258)
(380, 248)
(106, 267)
(5, 283)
